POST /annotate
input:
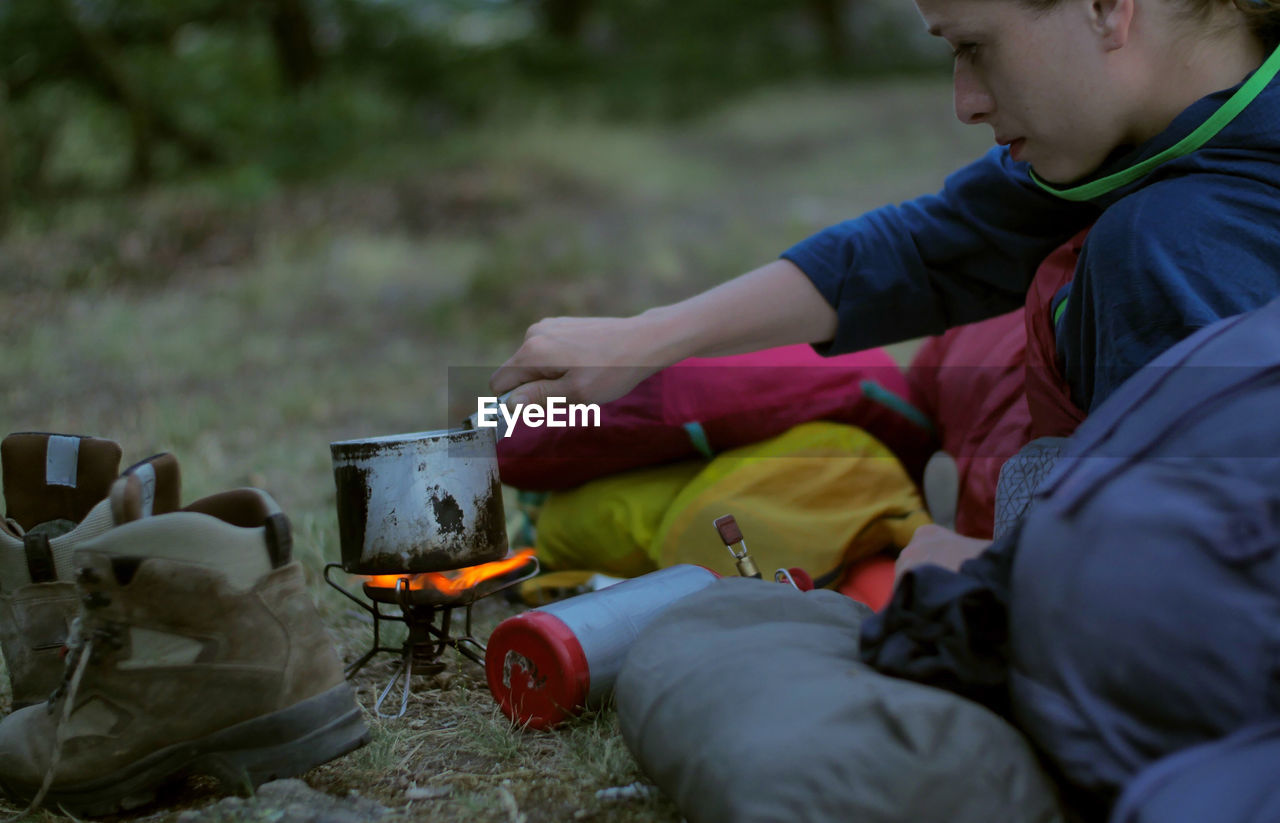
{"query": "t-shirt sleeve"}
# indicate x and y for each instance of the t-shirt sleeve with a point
(1153, 272)
(961, 255)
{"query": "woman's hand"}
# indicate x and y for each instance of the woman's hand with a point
(934, 544)
(598, 359)
(583, 359)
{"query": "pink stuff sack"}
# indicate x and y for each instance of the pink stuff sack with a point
(703, 406)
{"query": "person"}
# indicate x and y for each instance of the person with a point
(1152, 124)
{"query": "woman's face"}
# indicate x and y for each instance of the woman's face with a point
(1041, 80)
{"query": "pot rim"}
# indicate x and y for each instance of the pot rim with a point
(409, 437)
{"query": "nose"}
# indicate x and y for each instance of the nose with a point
(974, 103)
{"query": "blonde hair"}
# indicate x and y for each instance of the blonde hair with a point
(1262, 16)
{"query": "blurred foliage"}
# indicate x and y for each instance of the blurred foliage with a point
(99, 94)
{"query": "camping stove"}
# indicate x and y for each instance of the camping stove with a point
(425, 604)
(420, 519)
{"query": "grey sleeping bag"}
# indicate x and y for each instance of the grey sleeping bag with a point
(747, 702)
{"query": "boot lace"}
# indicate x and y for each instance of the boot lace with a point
(71, 685)
(80, 653)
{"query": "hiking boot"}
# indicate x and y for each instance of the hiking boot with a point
(55, 490)
(51, 485)
(197, 650)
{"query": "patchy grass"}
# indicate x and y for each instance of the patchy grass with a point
(243, 326)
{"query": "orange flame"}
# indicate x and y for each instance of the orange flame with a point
(463, 579)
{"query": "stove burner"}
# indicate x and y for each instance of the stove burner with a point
(419, 609)
(405, 594)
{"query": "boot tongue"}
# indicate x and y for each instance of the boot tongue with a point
(153, 486)
(55, 477)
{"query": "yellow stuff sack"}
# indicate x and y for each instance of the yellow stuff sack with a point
(607, 525)
(818, 496)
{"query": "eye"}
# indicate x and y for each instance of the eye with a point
(965, 50)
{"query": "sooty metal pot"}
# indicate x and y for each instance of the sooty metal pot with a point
(423, 502)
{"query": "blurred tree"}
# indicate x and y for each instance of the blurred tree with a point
(32, 51)
(294, 36)
(101, 67)
(6, 160)
(149, 22)
(829, 17)
(51, 41)
(564, 19)
(291, 85)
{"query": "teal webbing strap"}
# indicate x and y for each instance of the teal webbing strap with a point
(884, 397)
(1203, 134)
(698, 436)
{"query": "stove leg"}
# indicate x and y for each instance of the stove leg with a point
(474, 655)
(405, 667)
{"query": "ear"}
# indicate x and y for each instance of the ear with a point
(1112, 19)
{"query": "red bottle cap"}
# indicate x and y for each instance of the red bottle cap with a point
(536, 670)
(804, 582)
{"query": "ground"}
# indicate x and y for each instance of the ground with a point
(244, 325)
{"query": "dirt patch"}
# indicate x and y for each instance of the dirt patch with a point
(288, 801)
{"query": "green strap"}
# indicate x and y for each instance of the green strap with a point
(1203, 134)
(1057, 313)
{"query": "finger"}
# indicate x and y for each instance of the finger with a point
(930, 531)
(535, 393)
(508, 376)
(916, 553)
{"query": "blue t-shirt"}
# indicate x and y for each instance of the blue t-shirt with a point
(1195, 240)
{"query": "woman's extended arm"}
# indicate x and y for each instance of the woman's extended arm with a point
(897, 272)
(597, 359)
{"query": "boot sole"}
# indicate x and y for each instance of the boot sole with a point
(282, 744)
